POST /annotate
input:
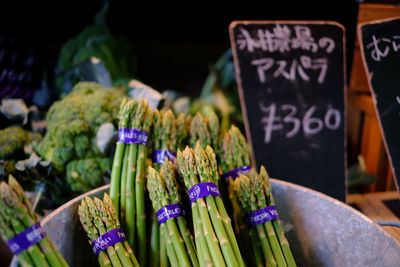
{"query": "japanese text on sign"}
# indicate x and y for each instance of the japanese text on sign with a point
(281, 39)
(381, 47)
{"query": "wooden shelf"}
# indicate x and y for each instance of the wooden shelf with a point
(373, 206)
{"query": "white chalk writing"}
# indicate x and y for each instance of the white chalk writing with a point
(381, 47)
(281, 39)
(302, 67)
(309, 123)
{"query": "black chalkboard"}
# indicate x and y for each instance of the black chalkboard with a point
(291, 84)
(381, 55)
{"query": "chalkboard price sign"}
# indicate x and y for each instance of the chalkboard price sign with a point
(291, 84)
(381, 55)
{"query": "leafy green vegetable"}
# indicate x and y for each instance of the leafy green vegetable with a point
(86, 174)
(94, 41)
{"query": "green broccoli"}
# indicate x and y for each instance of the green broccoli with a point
(13, 139)
(86, 174)
(72, 124)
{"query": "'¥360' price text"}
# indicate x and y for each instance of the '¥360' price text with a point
(278, 118)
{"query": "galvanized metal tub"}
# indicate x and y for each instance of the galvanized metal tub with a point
(321, 231)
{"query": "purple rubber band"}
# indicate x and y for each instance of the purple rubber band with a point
(27, 238)
(203, 190)
(132, 136)
(262, 216)
(235, 172)
(169, 212)
(159, 155)
(108, 239)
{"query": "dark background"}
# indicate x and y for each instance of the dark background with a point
(174, 44)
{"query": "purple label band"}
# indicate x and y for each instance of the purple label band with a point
(169, 212)
(27, 238)
(203, 190)
(132, 136)
(160, 155)
(108, 239)
(235, 172)
(262, 216)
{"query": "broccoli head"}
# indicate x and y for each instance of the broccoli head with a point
(86, 174)
(13, 139)
(72, 124)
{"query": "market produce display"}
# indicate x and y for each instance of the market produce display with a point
(269, 243)
(100, 222)
(167, 202)
(169, 133)
(73, 125)
(215, 239)
(163, 162)
(127, 189)
(21, 229)
(180, 154)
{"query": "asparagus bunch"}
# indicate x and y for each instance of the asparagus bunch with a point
(163, 191)
(16, 215)
(269, 243)
(215, 239)
(233, 150)
(234, 153)
(169, 132)
(127, 188)
(99, 217)
(205, 130)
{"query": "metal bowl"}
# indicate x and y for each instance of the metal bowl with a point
(322, 231)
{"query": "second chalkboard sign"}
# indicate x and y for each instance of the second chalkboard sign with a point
(291, 84)
(381, 56)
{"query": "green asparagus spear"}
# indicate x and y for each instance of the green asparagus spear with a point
(92, 232)
(98, 223)
(202, 164)
(246, 197)
(209, 153)
(168, 172)
(162, 195)
(187, 165)
(110, 209)
(277, 225)
(155, 199)
(25, 204)
(199, 131)
(109, 225)
(6, 234)
(258, 191)
(140, 189)
(136, 120)
(158, 250)
(20, 213)
(115, 184)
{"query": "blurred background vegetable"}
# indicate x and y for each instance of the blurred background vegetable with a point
(73, 131)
